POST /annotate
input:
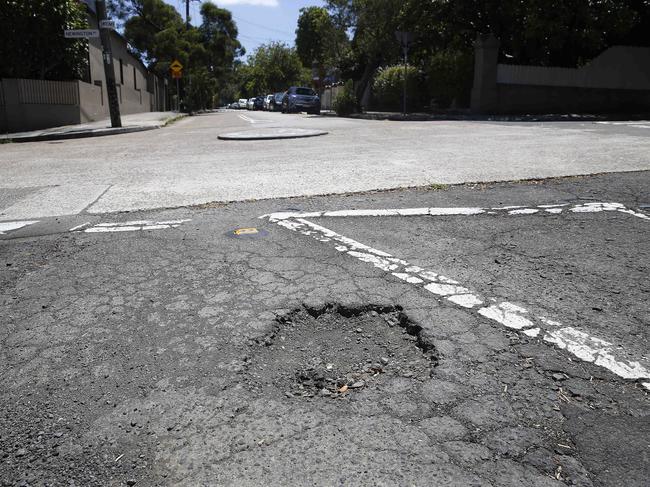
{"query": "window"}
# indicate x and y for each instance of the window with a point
(121, 72)
(135, 78)
(305, 91)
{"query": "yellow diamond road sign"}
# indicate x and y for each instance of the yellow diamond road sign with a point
(176, 66)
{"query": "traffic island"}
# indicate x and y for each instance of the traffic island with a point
(271, 134)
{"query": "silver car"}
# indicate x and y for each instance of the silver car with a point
(267, 102)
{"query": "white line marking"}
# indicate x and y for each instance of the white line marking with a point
(10, 226)
(510, 315)
(437, 211)
(79, 227)
(133, 226)
(253, 120)
(643, 124)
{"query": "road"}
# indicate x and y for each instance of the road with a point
(489, 334)
(186, 164)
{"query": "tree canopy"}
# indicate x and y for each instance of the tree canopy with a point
(271, 68)
(157, 33)
(564, 33)
(318, 38)
(33, 45)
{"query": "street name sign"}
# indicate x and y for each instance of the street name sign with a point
(81, 33)
(107, 24)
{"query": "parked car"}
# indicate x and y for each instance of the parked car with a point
(267, 102)
(255, 103)
(234, 105)
(300, 99)
(242, 103)
(276, 102)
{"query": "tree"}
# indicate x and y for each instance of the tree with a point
(538, 32)
(33, 45)
(373, 23)
(317, 37)
(219, 37)
(272, 67)
(156, 32)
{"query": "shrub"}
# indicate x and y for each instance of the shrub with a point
(388, 87)
(449, 78)
(345, 102)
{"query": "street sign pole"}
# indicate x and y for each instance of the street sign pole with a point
(176, 70)
(404, 38)
(178, 95)
(405, 74)
(109, 72)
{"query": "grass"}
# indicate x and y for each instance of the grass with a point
(438, 187)
(170, 121)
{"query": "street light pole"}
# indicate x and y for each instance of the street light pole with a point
(404, 38)
(405, 74)
(109, 72)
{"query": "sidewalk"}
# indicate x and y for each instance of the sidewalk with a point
(136, 122)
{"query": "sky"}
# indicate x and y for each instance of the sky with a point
(258, 21)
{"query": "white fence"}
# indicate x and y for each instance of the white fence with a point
(619, 68)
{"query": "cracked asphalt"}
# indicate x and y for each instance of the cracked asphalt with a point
(185, 356)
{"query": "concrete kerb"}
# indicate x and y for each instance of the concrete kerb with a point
(271, 134)
(433, 117)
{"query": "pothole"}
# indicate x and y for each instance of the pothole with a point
(334, 351)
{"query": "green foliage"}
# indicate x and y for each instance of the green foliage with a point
(318, 38)
(388, 87)
(449, 78)
(346, 102)
(271, 68)
(158, 34)
(32, 39)
(538, 32)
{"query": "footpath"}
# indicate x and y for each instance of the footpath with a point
(136, 122)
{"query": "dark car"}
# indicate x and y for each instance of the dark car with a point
(300, 99)
(275, 104)
(256, 103)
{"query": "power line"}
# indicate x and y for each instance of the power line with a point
(239, 19)
(264, 39)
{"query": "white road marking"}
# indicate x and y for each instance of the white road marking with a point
(580, 344)
(131, 226)
(79, 227)
(642, 124)
(441, 211)
(9, 226)
(252, 120)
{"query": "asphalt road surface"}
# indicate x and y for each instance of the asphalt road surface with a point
(488, 334)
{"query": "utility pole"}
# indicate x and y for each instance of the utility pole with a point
(109, 72)
(189, 76)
